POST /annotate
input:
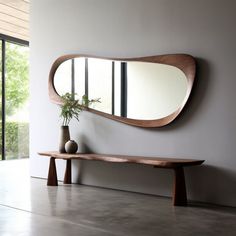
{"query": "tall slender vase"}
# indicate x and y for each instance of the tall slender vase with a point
(64, 137)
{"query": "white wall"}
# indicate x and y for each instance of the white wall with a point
(206, 129)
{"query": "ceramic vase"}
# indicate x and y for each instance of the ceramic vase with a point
(71, 146)
(64, 137)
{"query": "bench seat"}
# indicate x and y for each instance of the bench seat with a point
(179, 189)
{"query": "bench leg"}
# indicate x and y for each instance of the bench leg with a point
(52, 173)
(67, 177)
(179, 190)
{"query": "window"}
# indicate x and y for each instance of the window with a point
(14, 101)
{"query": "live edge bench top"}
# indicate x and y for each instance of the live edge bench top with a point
(179, 195)
(154, 161)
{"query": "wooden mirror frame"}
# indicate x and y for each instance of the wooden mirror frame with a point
(186, 63)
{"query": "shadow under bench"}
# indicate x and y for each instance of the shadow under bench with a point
(179, 195)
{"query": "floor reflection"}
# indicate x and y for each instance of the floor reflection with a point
(31, 208)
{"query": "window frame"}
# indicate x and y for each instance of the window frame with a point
(3, 40)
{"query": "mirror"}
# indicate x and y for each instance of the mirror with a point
(147, 92)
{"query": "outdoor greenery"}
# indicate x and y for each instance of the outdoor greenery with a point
(71, 108)
(17, 140)
(16, 77)
(16, 95)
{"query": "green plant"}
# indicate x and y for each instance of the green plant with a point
(17, 139)
(71, 108)
(17, 77)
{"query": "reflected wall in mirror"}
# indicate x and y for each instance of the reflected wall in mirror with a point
(147, 92)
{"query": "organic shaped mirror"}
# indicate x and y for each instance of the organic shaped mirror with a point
(146, 92)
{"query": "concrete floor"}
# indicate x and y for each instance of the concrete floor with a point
(29, 207)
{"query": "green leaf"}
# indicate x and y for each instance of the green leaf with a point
(71, 108)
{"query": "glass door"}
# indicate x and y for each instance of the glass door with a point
(1, 125)
(14, 100)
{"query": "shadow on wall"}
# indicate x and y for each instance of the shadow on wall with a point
(83, 145)
(124, 176)
(204, 183)
(211, 184)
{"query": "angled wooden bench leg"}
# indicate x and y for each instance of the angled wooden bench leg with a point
(52, 173)
(179, 190)
(67, 177)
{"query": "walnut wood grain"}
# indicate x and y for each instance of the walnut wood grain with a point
(179, 188)
(67, 177)
(184, 62)
(52, 173)
(154, 161)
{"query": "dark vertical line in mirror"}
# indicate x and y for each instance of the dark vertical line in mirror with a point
(123, 90)
(3, 97)
(73, 78)
(113, 89)
(86, 77)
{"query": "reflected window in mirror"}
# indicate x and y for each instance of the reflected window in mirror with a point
(100, 83)
(141, 89)
(135, 90)
(79, 78)
(63, 78)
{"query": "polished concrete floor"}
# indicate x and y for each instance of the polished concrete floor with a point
(29, 207)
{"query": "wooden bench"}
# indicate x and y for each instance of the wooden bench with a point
(179, 189)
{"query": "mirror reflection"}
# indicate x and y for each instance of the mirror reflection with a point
(133, 89)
